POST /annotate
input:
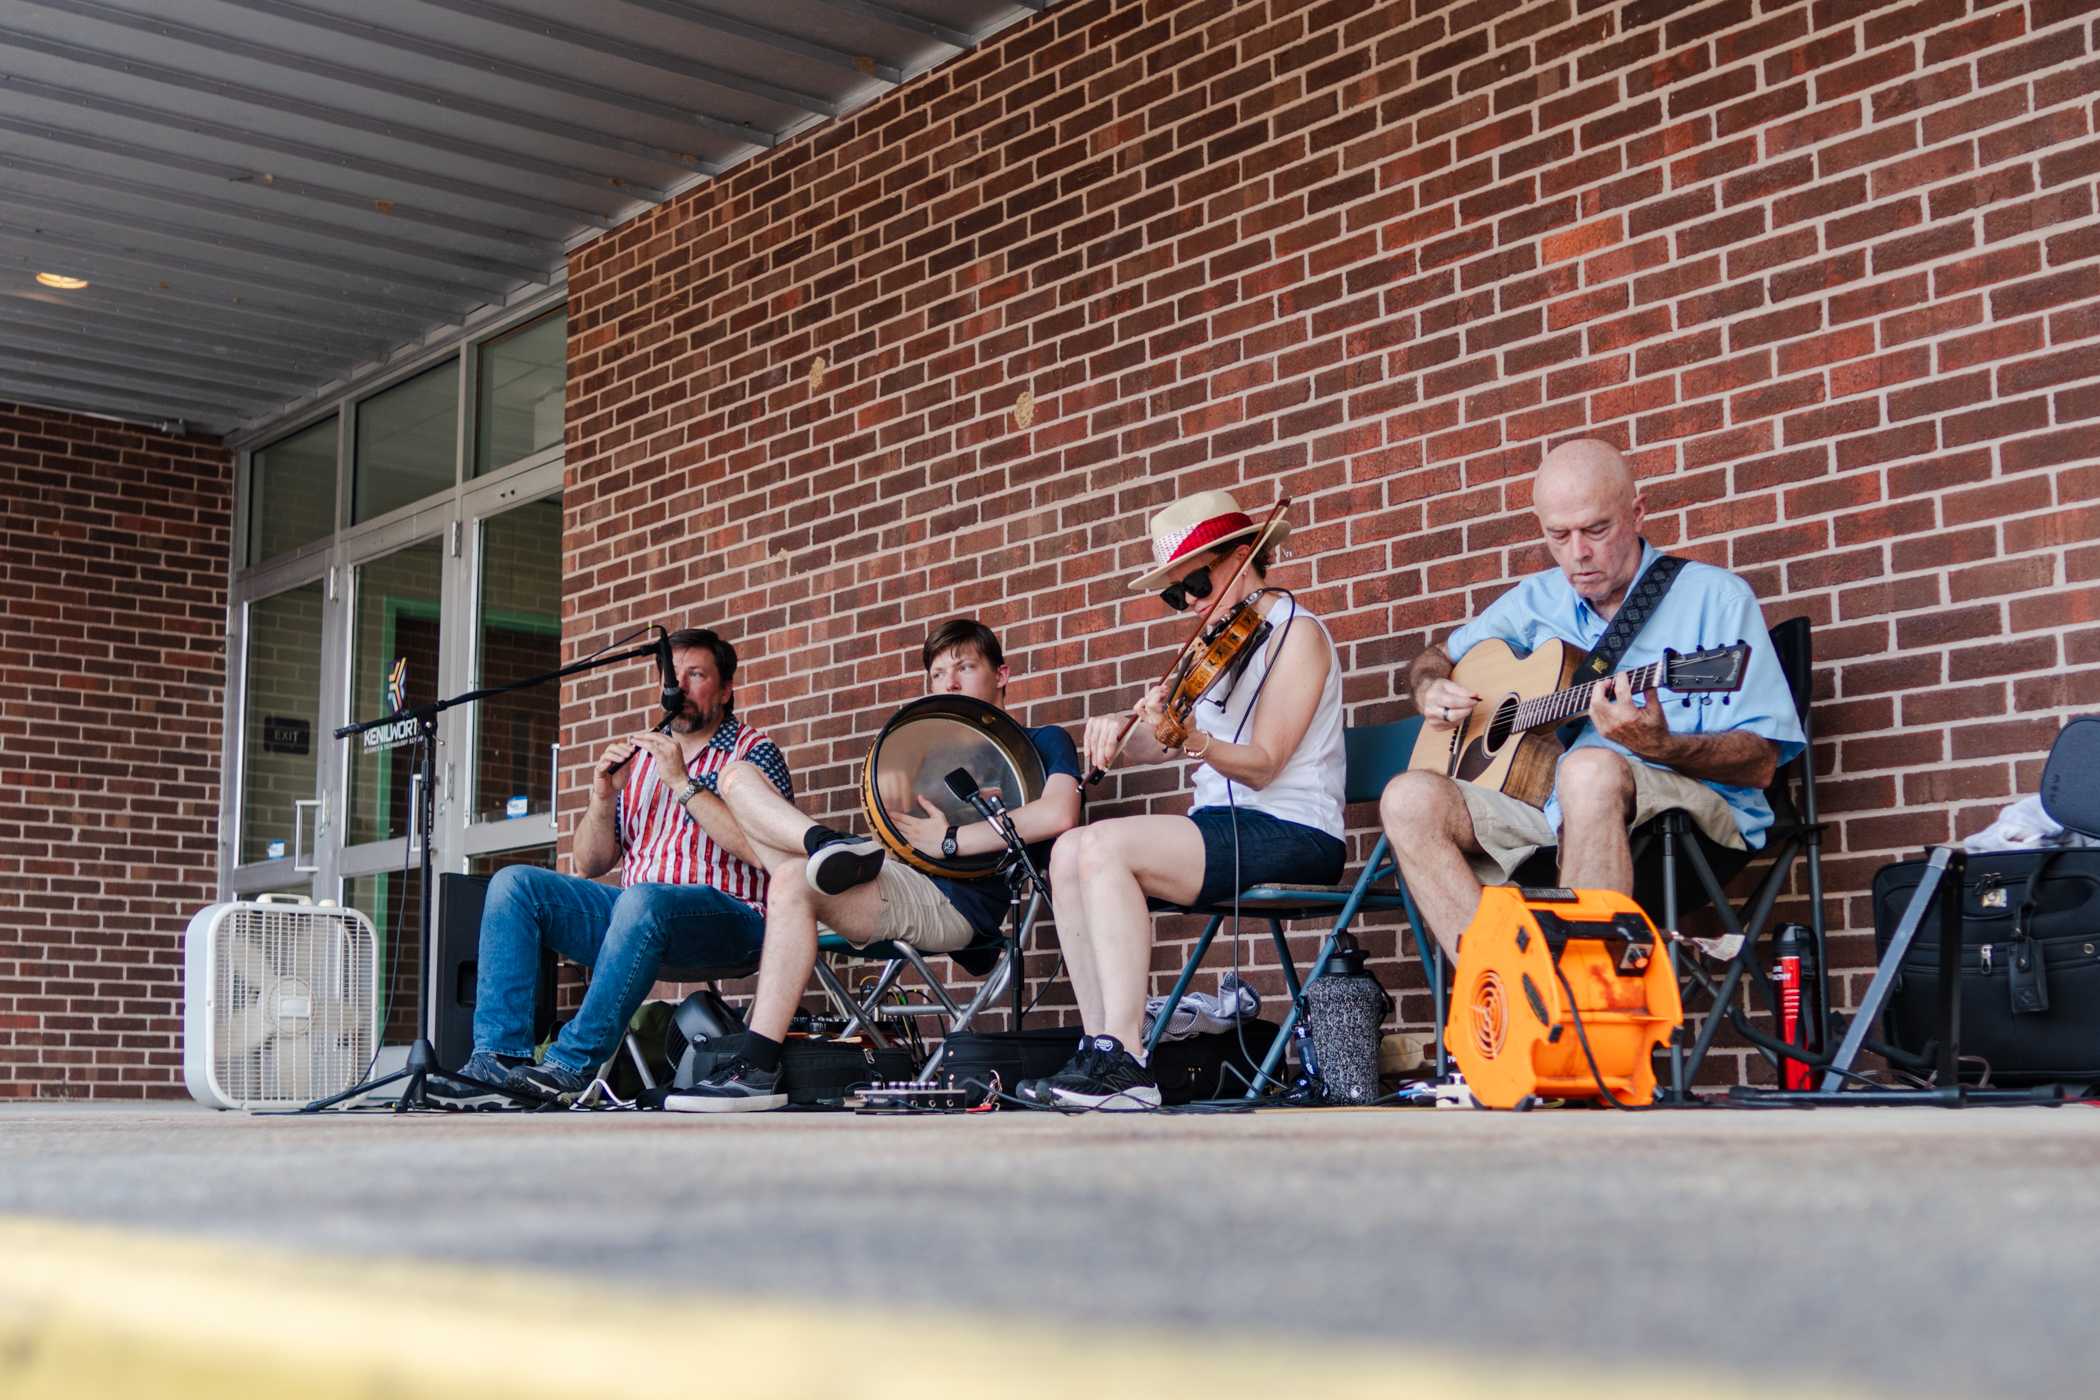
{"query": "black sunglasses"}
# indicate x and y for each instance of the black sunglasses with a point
(1195, 587)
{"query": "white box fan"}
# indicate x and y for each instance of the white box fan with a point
(281, 1001)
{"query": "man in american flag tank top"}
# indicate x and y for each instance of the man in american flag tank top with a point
(691, 892)
(848, 883)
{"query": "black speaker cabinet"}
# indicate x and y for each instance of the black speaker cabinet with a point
(458, 946)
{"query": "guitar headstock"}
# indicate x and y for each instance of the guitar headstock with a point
(1715, 670)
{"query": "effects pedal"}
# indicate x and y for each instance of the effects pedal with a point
(909, 1096)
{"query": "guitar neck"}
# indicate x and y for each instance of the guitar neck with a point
(1564, 705)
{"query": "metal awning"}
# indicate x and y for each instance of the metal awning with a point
(267, 196)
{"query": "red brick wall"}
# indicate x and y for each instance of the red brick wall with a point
(1828, 270)
(114, 544)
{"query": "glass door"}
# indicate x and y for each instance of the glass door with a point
(280, 664)
(511, 570)
(395, 599)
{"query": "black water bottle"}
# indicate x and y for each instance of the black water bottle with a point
(1346, 1008)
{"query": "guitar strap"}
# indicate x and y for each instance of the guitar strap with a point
(1633, 614)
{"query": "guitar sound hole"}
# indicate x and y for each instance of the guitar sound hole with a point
(1499, 727)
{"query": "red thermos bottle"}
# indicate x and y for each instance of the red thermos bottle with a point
(1794, 969)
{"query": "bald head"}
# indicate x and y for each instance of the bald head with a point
(1586, 470)
(1591, 515)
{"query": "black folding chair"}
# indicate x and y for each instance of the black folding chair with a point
(1795, 834)
(998, 959)
(1668, 845)
(1375, 754)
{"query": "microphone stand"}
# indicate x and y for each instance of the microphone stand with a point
(1019, 867)
(422, 1055)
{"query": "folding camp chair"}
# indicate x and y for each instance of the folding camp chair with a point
(1375, 753)
(997, 959)
(1795, 833)
(1664, 846)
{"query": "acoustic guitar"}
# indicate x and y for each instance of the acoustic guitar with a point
(1508, 742)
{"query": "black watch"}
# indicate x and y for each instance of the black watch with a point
(948, 844)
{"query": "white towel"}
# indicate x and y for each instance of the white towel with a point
(2024, 826)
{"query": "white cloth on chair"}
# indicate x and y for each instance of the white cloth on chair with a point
(1201, 1013)
(2024, 826)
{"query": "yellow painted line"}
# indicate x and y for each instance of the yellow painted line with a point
(88, 1311)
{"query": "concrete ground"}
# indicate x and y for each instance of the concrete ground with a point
(1885, 1251)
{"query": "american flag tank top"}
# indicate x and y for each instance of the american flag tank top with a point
(661, 845)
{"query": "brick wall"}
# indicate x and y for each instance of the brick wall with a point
(113, 553)
(1828, 270)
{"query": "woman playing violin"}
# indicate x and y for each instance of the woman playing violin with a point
(1267, 743)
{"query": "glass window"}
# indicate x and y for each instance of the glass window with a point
(519, 616)
(279, 745)
(407, 442)
(392, 901)
(542, 856)
(519, 392)
(291, 492)
(393, 663)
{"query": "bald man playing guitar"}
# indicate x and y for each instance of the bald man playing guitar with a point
(1637, 755)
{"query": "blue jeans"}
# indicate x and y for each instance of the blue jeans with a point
(623, 936)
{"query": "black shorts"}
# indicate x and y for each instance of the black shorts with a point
(1270, 851)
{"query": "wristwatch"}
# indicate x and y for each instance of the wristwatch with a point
(699, 782)
(948, 844)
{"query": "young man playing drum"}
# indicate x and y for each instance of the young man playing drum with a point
(818, 873)
(1267, 742)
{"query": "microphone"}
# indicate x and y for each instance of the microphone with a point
(965, 789)
(673, 699)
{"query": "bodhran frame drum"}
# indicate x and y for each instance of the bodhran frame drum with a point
(923, 743)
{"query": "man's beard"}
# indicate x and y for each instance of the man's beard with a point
(693, 720)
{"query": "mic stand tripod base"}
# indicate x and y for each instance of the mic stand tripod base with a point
(415, 1097)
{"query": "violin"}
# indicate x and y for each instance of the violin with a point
(1226, 648)
(1209, 653)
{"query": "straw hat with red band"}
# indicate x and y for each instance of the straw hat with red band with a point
(1195, 525)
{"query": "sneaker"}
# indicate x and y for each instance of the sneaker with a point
(1112, 1080)
(1075, 1070)
(488, 1071)
(735, 1087)
(842, 862)
(548, 1083)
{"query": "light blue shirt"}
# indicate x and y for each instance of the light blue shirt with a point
(1705, 607)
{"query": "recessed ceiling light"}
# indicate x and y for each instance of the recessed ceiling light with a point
(61, 281)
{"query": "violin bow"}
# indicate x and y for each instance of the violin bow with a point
(1210, 610)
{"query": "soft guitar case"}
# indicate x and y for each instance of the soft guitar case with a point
(2030, 966)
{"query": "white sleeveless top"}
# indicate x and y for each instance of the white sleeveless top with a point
(1309, 789)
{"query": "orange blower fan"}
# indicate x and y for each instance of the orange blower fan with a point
(1527, 952)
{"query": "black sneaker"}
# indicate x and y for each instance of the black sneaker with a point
(548, 1083)
(1075, 1070)
(842, 862)
(486, 1070)
(736, 1087)
(1112, 1080)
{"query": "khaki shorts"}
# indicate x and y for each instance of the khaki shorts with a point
(915, 911)
(1511, 832)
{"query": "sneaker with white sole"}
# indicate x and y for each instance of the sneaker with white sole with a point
(548, 1082)
(1110, 1079)
(736, 1087)
(483, 1076)
(1073, 1071)
(842, 863)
